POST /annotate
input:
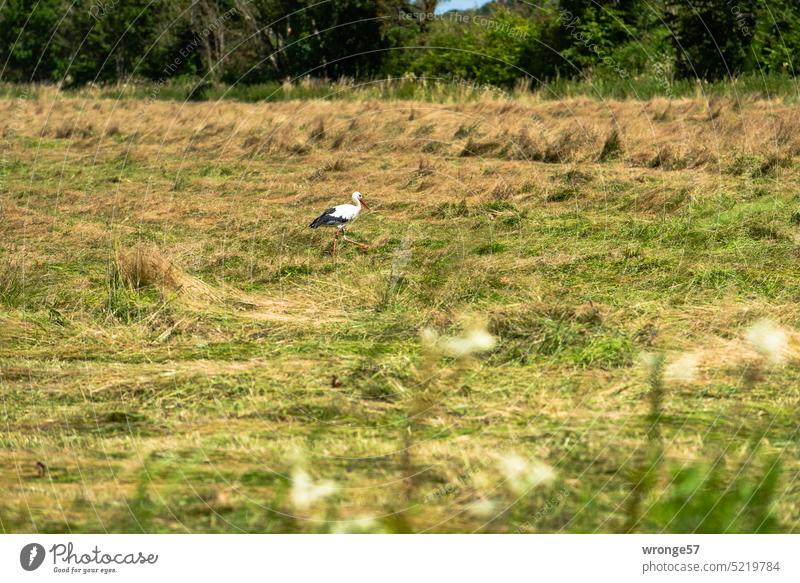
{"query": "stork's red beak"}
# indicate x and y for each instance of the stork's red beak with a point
(364, 202)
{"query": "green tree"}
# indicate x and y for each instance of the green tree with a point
(112, 40)
(26, 50)
(483, 48)
(776, 38)
(712, 37)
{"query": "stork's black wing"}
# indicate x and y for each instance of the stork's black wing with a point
(328, 218)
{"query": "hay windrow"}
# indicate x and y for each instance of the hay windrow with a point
(146, 265)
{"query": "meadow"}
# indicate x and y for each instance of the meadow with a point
(575, 315)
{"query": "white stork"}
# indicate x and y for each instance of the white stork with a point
(339, 216)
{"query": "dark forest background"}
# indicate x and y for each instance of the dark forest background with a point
(73, 43)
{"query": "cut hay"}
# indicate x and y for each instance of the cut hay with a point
(764, 347)
(145, 265)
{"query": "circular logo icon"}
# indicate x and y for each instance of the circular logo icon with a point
(31, 556)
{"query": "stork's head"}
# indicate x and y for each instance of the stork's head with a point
(358, 199)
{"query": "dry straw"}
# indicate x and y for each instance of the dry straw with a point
(145, 265)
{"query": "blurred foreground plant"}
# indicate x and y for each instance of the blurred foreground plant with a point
(706, 496)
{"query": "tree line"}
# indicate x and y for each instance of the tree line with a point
(75, 42)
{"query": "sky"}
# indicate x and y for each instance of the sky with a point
(445, 5)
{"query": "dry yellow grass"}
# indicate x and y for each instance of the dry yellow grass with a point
(145, 265)
(570, 130)
(214, 358)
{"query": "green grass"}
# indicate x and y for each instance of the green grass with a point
(196, 407)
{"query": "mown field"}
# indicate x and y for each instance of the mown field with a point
(180, 353)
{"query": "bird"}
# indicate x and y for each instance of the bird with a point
(340, 216)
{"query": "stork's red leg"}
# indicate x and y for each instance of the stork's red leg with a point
(361, 245)
(335, 236)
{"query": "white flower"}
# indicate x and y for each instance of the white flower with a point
(648, 359)
(770, 340)
(362, 524)
(522, 475)
(476, 339)
(483, 508)
(305, 492)
(684, 369)
(428, 337)
(473, 340)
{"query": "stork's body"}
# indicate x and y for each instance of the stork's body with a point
(340, 216)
